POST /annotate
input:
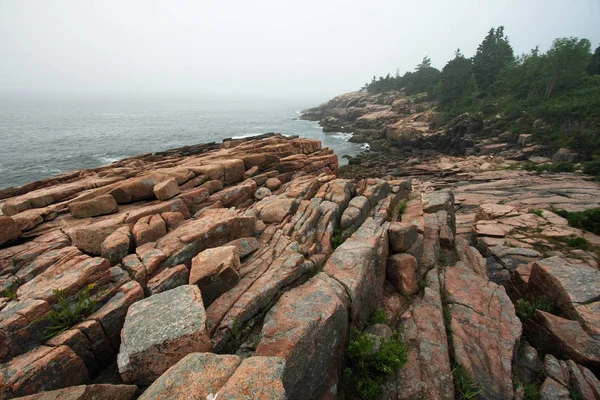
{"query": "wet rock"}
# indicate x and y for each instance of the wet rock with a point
(159, 331)
(215, 271)
(100, 205)
(168, 279)
(196, 376)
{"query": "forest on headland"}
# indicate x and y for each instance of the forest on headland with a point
(554, 95)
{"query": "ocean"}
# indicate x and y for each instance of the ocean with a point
(43, 137)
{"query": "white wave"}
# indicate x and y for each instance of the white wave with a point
(105, 160)
(341, 136)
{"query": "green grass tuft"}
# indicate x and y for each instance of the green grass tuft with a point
(66, 314)
(536, 211)
(464, 385)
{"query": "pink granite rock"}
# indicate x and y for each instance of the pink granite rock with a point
(161, 330)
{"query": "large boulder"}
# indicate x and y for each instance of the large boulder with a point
(307, 327)
(215, 271)
(485, 330)
(159, 331)
(359, 265)
(101, 205)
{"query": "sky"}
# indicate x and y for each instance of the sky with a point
(256, 48)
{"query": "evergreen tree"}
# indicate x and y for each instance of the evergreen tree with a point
(594, 66)
(453, 79)
(492, 55)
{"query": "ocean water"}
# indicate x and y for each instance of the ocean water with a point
(40, 138)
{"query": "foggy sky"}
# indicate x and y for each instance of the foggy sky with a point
(255, 48)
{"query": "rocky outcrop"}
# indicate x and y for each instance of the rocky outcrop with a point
(241, 271)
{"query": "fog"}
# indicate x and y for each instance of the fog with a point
(313, 49)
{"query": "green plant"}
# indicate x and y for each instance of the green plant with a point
(588, 220)
(66, 314)
(531, 391)
(368, 368)
(464, 384)
(422, 284)
(525, 309)
(578, 243)
(378, 317)
(336, 239)
(564, 166)
(10, 292)
(402, 207)
(536, 211)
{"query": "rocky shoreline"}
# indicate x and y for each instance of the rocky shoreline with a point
(242, 270)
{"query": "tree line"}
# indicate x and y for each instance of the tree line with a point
(560, 86)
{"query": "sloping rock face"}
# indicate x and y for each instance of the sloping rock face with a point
(240, 270)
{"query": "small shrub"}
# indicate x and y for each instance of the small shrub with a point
(367, 369)
(592, 168)
(588, 220)
(66, 314)
(531, 167)
(336, 239)
(562, 167)
(378, 317)
(536, 211)
(578, 243)
(525, 309)
(464, 384)
(422, 284)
